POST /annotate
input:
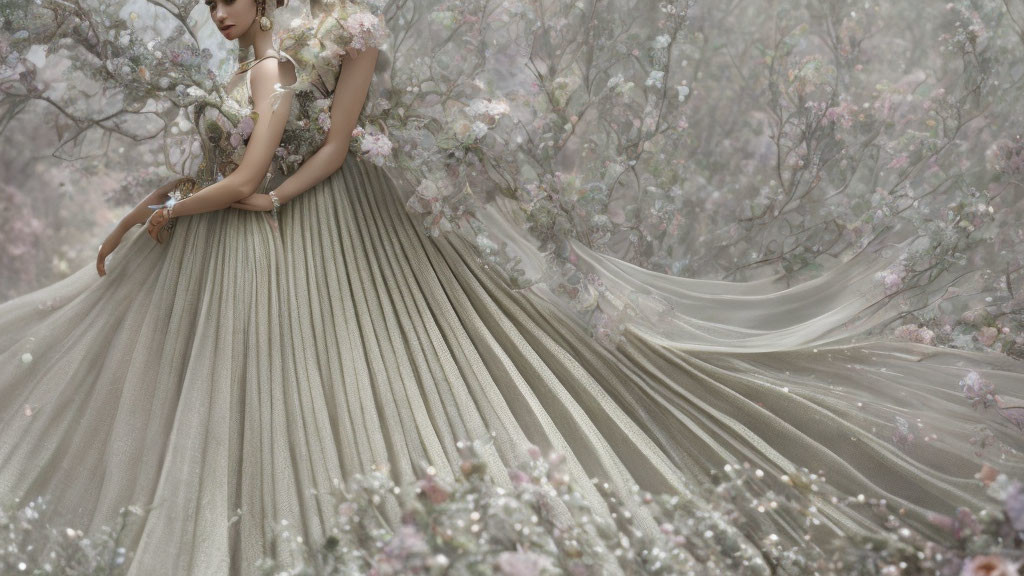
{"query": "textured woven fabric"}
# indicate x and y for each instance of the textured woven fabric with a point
(244, 366)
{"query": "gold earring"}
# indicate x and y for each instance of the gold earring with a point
(265, 23)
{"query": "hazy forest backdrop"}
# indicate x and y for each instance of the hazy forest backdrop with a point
(723, 140)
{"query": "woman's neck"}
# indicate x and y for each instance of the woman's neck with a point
(260, 41)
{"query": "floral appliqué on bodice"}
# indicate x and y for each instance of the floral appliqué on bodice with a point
(225, 130)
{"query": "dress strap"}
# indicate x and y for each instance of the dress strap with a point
(248, 84)
(281, 57)
(248, 64)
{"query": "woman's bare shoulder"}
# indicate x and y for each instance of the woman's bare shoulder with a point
(269, 71)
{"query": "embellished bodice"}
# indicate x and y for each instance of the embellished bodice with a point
(225, 125)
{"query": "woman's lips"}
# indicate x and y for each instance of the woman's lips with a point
(225, 29)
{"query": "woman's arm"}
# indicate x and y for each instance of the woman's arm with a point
(349, 96)
(141, 212)
(263, 142)
(138, 215)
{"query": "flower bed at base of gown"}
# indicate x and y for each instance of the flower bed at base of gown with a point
(243, 366)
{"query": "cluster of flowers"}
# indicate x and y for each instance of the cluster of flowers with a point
(442, 200)
(982, 392)
(974, 329)
(447, 525)
(319, 44)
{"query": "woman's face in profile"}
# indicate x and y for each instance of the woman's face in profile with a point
(232, 17)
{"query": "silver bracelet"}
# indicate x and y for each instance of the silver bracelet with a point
(277, 203)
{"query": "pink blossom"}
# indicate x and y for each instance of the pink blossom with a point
(522, 563)
(364, 28)
(899, 162)
(534, 451)
(434, 491)
(557, 458)
(376, 147)
(987, 335)
(842, 114)
(1014, 505)
(913, 333)
(245, 126)
(408, 540)
(892, 277)
(347, 509)
(976, 317)
(989, 566)
(976, 389)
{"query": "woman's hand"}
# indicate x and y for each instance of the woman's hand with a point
(109, 244)
(138, 215)
(255, 203)
(156, 224)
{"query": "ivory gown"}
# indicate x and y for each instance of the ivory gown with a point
(240, 365)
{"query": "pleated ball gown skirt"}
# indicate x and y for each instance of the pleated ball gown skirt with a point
(242, 368)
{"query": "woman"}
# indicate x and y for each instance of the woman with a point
(264, 350)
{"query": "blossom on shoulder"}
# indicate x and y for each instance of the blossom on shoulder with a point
(366, 30)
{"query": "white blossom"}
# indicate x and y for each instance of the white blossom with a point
(655, 78)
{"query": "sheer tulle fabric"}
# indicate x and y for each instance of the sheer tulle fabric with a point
(751, 316)
(245, 366)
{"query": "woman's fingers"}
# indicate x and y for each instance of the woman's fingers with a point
(154, 225)
(105, 249)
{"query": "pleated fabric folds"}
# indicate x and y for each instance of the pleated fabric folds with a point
(229, 378)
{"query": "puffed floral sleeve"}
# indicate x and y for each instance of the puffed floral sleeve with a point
(317, 45)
